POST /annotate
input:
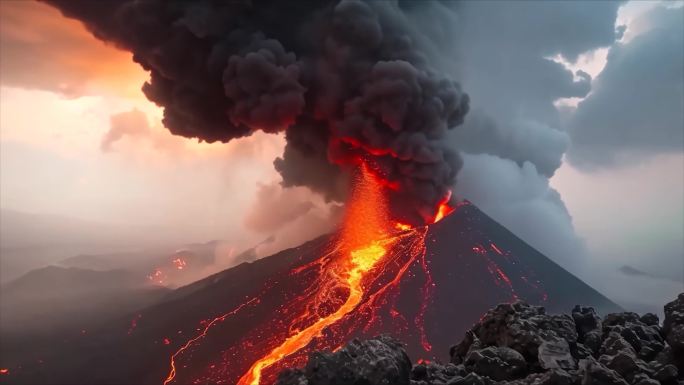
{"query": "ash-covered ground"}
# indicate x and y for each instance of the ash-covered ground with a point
(515, 344)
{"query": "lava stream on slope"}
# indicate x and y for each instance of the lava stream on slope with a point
(348, 291)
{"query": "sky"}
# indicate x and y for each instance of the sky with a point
(583, 157)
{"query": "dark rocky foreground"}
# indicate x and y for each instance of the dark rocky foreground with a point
(515, 344)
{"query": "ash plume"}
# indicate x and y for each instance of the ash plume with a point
(345, 80)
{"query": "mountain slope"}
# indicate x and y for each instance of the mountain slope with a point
(435, 284)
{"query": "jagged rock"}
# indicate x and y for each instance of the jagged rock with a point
(513, 325)
(431, 373)
(519, 344)
(564, 326)
(621, 319)
(593, 373)
(459, 351)
(666, 374)
(555, 354)
(292, 377)
(580, 351)
(378, 361)
(642, 379)
(552, 377)
(675, 337)
(521, 327)
(650, 319)
(647, 353)
(673, 325)
(592, 340)
(586, 320)
(627, 365)
(615, 344)
(497, 363)
(470, 379)
(664, 357)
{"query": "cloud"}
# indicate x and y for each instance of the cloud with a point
(132, 123)
(275, 206)
(131, 135)
(513, 139)
(635, 108)
(519, 140)
(43, 50)
(521, 200)
(289, 216)
(521, 23)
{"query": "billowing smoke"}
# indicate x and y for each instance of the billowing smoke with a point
(344, 80)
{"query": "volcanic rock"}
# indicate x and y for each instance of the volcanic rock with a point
(378, 361)
(519, 344)
(542, 340)
(673, 325)
(586, 320)
(593, 372)
(425, 373)
(555, 354)
(497, 363)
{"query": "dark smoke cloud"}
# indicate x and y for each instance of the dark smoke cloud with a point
(635, 109)
(345, 81)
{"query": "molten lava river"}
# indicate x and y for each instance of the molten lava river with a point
(349, 291)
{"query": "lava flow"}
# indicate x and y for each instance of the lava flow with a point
(348, 291)
(364, 243)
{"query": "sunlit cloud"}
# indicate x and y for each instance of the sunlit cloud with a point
(43, 50)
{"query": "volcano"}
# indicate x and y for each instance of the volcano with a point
(433, 284)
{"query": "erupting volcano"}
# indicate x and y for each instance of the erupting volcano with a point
(365, 120)
(422, 285)
(347, 289)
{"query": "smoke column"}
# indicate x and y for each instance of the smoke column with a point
(344, 80)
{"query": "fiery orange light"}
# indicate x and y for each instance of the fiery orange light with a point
(443, 209)
(363, 235)
(355, 282)
(402, 226)
(4, 371)
(179, 263)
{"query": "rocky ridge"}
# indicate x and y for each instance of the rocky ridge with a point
(519, 344)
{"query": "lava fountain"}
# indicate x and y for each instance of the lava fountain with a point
(363, 244)
(352, 292)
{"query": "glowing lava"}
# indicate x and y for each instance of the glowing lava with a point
(179, 263)
(364, 244)
(172, 374)
(443, 209)
(350, 289)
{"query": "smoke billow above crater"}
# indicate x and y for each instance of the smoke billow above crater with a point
(346, 81)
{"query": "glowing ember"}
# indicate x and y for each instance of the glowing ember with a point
(179, 263)
(402, 226)
(157, 276)
(443, 209)
(4, 371)
(496, 249)
(134, 324)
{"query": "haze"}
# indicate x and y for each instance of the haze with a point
(584, 157)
